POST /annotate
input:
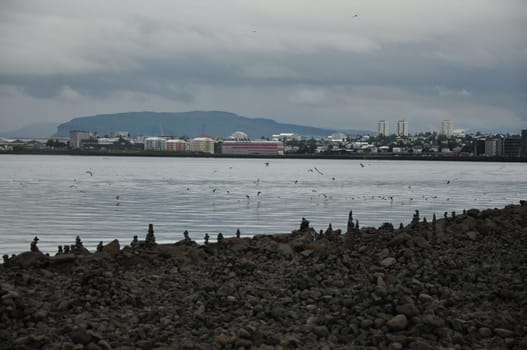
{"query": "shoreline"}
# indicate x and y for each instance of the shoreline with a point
(454, 282)
(420, 157)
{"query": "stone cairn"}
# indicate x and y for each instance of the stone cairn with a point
(59, 250)
(33, 246)
(134, 242)
(206, 238)
(238, 234)
(220, 238)
(150, 239)
(351, 226)
(304, 225)
(99, 247)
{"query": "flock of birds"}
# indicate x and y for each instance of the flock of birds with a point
(315, 170)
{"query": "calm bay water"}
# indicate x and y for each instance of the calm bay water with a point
(57, 198)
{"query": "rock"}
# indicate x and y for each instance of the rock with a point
(473, 212)
(242, 343)
(80, 336)
(92, 346)
(321, 331)
(472, 235)
(388, 261)
(425, 298)
(504, 333)
(285, 249)
(223, 340)
(409, 310)
(421, 345)
(397, 323)
(104, 345)
(485, 332)
(433, 321)
(421, 242)
(112, 248)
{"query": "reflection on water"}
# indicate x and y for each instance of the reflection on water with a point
(101, 198)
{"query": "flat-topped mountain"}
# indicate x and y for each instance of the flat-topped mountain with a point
(191, 124)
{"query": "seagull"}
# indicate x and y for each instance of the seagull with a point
(117, 197)
(266, 163)
(355, 15)
(448, 181)
(310, 170)
(258, 193)
(213, 190)
(248, 197)
(318, 171)
(333, 178)
(361, 165)
(296, 181)
(89, 172)
(325, 196)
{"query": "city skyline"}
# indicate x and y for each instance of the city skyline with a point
(337, 65)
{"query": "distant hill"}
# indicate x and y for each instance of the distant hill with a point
(32, 131)
(191, 124)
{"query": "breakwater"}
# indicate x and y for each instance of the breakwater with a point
(454, 281)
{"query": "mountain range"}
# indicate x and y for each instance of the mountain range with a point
(189, 124)
(181, 124)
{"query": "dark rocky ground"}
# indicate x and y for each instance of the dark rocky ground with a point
(457, 283)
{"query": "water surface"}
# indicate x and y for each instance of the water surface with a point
(101, 198)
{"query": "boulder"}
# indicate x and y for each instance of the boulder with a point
(112, 248)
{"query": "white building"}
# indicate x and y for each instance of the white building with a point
(239, 135)
(155, 144)
(286, 136)
(76, 136)
(447, 128)
(383, 128)
(202, 144)
(402, 128)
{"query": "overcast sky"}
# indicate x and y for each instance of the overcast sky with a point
(335, 63)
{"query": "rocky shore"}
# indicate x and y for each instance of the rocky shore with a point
(454, 282)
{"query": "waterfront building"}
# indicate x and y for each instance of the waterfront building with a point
(402, 128)
(202, 144)
(257, 147)
(383, 128)
(286, 136)
(491, 148)
(177, 145)
(479, 147)
(447, 128)
(77, 136)
(524, 143)
(155, 144)
(512, 146)
(239, 135)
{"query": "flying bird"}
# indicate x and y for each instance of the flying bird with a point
(117, 197)
(258, 193)
(266, 163)
(355, 15)
(318, 171)
(361, 165)
(89, 172)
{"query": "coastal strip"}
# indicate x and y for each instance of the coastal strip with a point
(455, 281)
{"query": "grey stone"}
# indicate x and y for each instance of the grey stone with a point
(397, 323)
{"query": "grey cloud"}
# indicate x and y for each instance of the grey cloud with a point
(292, 62)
